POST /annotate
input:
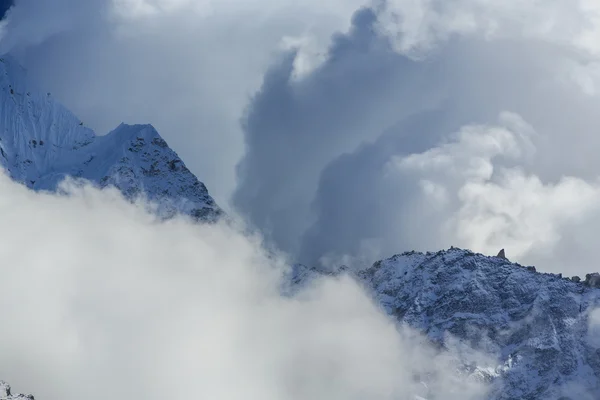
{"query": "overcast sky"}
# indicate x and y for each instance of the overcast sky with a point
(349, 130)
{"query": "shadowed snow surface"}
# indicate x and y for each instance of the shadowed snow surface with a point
(41, 143)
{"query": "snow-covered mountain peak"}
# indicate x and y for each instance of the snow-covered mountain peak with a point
(42, 142)
(537, 325)
(35, 130)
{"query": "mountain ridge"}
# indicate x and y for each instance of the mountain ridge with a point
(535, 325)
(6, 393)
(42, 143)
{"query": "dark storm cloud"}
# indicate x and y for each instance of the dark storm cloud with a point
(329, 172)
(317, 179)
(361, 209)
(294, 128)
(4, 6)
(186, 66)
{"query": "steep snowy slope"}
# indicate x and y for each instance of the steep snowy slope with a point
(41, 142)
(537, 326)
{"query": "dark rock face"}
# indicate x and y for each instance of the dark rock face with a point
(592, 280)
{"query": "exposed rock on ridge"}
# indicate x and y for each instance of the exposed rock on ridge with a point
(41, 143)
(536, 325)
(5, 393)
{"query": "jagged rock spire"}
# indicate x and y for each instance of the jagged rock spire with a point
(501, 254)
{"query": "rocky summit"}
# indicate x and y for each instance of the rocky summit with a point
(539, 327)
(6, 393)
(42, 143)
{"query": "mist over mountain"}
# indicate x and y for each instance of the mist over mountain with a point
(344, 144)
(42, 143)
(488, 328)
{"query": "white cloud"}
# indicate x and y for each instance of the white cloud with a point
(191, 68)
(101, 300)
(494, 204)
(134, 8)
(187, 66)
(594, 328)
(366, 104)
(418, 25)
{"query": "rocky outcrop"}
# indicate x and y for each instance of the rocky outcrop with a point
(592, 280)
(5, 393)
(42, 143)
(501, 254)
(535, 325)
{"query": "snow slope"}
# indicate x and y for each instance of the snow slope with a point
(41, 143)
(537, 326)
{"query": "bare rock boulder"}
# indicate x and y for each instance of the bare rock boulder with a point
(592, 280)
